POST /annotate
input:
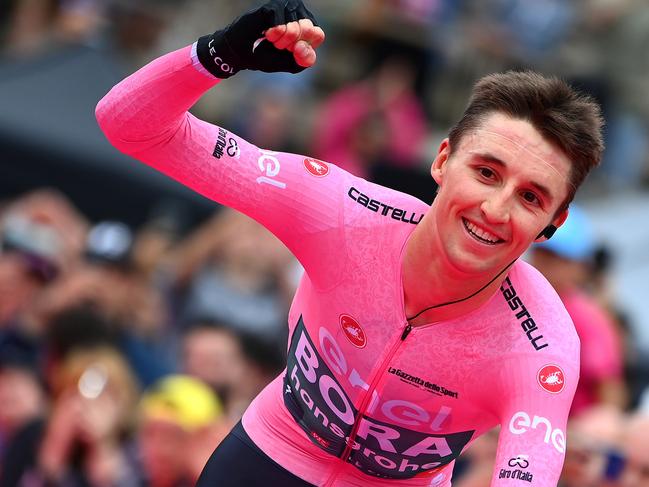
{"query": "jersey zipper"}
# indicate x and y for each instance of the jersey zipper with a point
(378, 373)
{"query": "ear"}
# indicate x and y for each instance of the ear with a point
(557, 222)
(438, 167)
(561, 218)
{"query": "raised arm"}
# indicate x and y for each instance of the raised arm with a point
(146, 116)
(152, 104)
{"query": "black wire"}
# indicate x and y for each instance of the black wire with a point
(464, 299)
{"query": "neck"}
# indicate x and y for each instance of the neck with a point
(432, 293)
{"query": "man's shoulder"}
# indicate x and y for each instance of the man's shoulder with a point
(543, 306)
(356, 192)
(531, 283)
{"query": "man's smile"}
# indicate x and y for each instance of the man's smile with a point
(480, 234)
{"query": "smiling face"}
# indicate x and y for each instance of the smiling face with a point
(497, 191)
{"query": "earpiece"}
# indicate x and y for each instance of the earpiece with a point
(547, 232)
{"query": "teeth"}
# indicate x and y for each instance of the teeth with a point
(480, 233)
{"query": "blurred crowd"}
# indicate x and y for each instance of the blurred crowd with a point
(126, 356)
(127, 353)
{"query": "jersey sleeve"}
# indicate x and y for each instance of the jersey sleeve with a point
(297, 198)
(537, 391)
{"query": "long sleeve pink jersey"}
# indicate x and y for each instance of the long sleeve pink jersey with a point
(365, 399)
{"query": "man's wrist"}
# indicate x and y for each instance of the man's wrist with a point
(215, 55)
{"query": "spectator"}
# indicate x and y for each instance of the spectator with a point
(41, 237)
(378, 120)
(132, 301)
(264, 362)
(22, 407)
(155, 240)
(593, 457)
(272, 112)
(107, 286)
(30, 26)
(214, 354)
(236, 366)
(606, 53)
(22, 277)
(635, 447)
(235, 272)
(565, 261)
(82, 442)
(180, 422)
(51, 209)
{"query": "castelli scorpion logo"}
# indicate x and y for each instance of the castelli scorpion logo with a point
(551, 378)
(353, 331)
(316, 167)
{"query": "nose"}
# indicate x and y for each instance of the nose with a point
(496, 207)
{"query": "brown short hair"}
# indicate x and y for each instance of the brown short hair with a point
(570, 120)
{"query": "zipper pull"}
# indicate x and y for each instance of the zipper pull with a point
(406, 331)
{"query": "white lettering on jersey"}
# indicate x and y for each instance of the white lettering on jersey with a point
(270, 166)
(521, 423)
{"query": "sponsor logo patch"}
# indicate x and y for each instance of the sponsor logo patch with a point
(353, 331)
(519, 463)
(315, 167)
(551, 378)
(233, 148)
(269, 166)
(527, 323)
(324, 443)
(220, 143)
(383, 208)
(422, 384)
(224, 142)
(524, 424)
(381, 444)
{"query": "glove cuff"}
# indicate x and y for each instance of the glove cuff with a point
(216, 56)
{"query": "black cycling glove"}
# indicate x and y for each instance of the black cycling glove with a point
(238, 46)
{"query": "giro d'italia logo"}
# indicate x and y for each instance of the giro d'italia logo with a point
(316, 167)
(353, 331)
(551, 378)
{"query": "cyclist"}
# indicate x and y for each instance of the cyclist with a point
(415, 329)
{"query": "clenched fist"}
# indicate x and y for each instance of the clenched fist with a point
(281, 35)
(301, 37)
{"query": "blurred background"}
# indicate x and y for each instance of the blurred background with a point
(138, 320)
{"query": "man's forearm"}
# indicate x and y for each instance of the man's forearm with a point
(150, 104)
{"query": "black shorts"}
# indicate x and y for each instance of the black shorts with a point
(238, 462)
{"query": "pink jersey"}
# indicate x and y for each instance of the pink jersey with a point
(365, 399)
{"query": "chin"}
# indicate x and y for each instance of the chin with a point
(472, 265)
